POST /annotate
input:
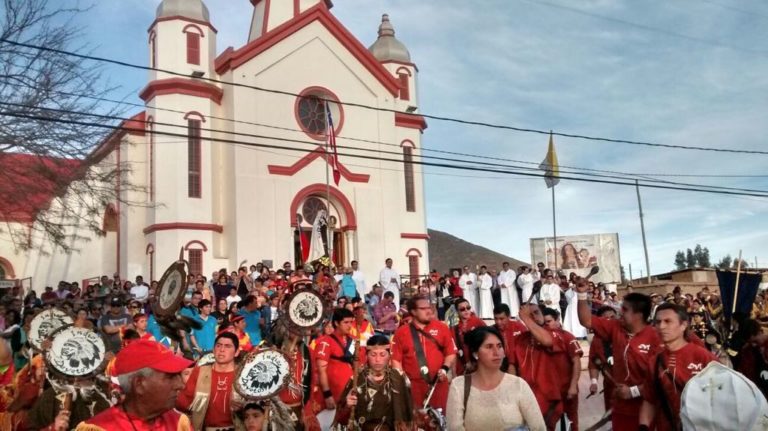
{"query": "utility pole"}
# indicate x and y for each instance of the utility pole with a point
(630, 274)
(642, 231)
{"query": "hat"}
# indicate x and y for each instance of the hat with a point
(237, 318)
(148, 354)
(116, 302)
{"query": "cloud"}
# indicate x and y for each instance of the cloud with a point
(528, 64)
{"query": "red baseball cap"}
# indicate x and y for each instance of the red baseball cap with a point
(148, 354)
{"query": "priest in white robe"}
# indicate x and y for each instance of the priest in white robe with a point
(390, 281)
(525, 281)
(508, 289)
(485, 282)
(549, 296)
(571, 319)
(468, 285)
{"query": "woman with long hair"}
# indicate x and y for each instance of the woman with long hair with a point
(488, 398)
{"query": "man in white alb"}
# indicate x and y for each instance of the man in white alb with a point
(485, 284)
(390, 281)
(468, 284)
(549, 296)
(525, 281)
(359, 279)
(508, 289)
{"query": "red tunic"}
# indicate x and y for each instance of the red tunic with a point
(218, 413)
(435, 352)
(536, 365)
(329, 349)
(630, 355)
(674, 372)
(116, 419)
(511, 331)
(458, 332)
(564, 362)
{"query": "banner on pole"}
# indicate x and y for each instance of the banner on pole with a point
(579, 253)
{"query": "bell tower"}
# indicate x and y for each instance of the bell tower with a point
(178, 110)
(269, 14)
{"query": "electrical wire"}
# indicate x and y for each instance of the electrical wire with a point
(374, 108)
(762, 194)
(644, 175)
(398, 154)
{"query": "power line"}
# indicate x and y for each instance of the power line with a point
(736, 9)
(374, 108)
(643, 175)
(366, 157)
(314, 144)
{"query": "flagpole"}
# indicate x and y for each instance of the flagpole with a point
(327, 180)
(554, 229)
(642, 231)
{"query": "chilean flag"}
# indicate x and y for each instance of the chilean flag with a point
(334, 156)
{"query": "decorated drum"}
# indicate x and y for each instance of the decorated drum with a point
(75, 352)
(263, 374)
(305, 309)
(44, 324)
(171, 289)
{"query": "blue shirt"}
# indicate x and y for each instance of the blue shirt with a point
(154, 329)
(252, 325)
(348, 286)
(192, 313)
(205, 336)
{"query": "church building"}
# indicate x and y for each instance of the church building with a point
(232, 151)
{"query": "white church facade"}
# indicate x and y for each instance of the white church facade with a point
(231, 151)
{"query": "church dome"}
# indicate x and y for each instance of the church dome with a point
(387, 47)
(194, 9)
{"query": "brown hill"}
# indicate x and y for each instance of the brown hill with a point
(447, 251)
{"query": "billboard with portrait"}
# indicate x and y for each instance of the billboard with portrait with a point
(579, 253)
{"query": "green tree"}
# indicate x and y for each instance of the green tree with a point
(704, 259)
(679, 260)
(690, 259)
(725, 262)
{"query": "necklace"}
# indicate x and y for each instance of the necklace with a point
(130, 421)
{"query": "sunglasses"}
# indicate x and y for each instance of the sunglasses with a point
(465, 308)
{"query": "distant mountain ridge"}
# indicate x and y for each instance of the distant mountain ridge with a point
(447, 251)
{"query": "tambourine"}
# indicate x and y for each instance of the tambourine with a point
(44, 324)
(171, 290)
(263, 374)
(305, 309)
(75, 352)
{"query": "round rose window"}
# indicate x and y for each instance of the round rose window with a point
(312, 115)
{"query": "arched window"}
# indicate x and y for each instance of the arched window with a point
(6, 269)
(195, 251)
(194, 158)
(410, 191)
(413, 264)
(194, 34)
(153, 49)
(404, 77)
(312, 116)
(151, 158)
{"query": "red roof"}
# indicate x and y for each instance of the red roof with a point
(28, 183)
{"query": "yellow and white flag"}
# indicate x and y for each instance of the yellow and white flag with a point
(550, 166)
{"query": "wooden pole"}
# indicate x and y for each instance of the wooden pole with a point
(736, 290)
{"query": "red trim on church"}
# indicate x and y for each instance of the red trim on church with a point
(183, 226)
(402, 63)
(336, 196)
(410, 121)
(309, 158)
(183, 18)
(414, 236)
(413, 252)
(232, 59)
(184, 86)
(196, 242)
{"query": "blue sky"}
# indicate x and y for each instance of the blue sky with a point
(684, 72)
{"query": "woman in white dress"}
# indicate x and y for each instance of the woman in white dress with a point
(571, 319)
(494, 400)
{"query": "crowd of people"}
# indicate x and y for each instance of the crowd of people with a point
(458, 351)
